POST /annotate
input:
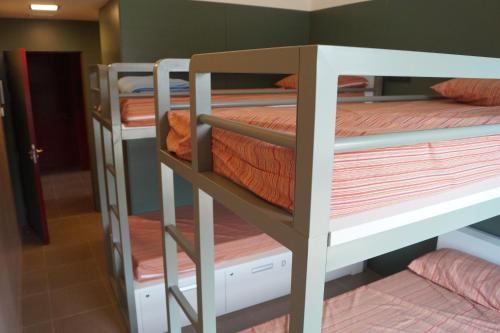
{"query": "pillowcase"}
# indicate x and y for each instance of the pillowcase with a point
(480, 92)
(468, 276)
(290, 82)
(139, 84)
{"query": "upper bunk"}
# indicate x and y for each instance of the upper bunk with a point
(388, 226)
(125, 96)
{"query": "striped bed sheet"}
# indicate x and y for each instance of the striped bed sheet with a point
(404, 302)
(137, 112)
(234, 238)
(362, 180)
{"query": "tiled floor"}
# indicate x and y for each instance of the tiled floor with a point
(64, 284)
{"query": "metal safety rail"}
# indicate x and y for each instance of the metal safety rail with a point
(307, 231)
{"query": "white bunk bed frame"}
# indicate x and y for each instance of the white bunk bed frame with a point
(143, 303)
(317, 246)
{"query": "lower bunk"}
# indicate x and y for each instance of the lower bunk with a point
(444, 291)
(251, 268)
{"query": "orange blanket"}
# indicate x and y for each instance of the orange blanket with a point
(234, 238)
(362, 180)
(403, 302)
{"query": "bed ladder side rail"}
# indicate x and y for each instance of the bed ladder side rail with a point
(97, 78)
(116, 170)
(200, 86)
(103, 195)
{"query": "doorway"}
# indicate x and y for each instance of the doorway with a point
(58, 110)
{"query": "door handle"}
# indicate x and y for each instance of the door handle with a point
(34, 154)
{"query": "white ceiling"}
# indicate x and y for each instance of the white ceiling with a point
(86, 10)
(305, 5)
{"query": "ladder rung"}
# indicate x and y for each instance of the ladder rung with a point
(182, 242)
(111, 169)
(185, 306)
(114, 209)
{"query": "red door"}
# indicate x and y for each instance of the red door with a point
(19, 87)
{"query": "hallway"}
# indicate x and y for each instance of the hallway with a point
(64, 284)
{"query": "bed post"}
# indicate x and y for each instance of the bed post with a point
(316, 113)
(167, 196)
(201, 141)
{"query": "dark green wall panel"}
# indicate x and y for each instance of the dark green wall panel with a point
(155, 29)
(257, 27)
(142, 176)
(447, 26)
(109, 29)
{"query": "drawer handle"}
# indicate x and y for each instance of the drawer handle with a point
(262, 268)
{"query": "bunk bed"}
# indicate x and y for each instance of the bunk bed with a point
(320, 239)
(133, 243)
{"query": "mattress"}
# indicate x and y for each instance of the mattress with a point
(234, 238)
(404, 302)
(137, 112)
(362, 180)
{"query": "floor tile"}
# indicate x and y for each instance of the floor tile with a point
(40, 328)
(35, 282)
(36, 309)
(67, 238)
(67, 254)
(71, 274)
(34, 260)
(105, 320)
(80, 298)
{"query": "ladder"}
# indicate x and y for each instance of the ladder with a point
(113, 199)
(202, 251)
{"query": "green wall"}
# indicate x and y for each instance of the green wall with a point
(45, 35)
(109, 30)
(447, 26)
(154, 29)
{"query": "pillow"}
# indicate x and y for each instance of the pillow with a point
(468, 276)
(138, 84)
(290, 82)
(480, 92)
